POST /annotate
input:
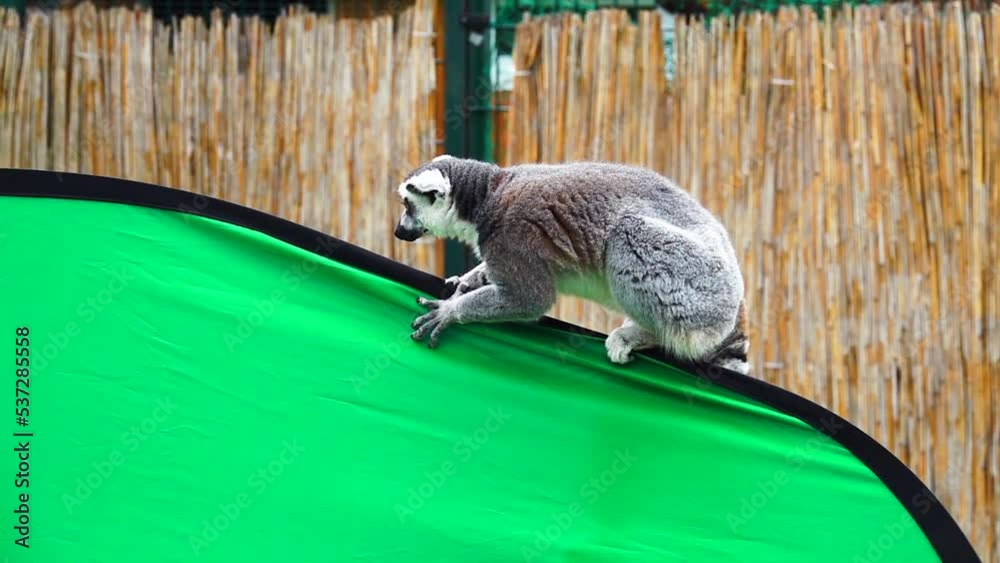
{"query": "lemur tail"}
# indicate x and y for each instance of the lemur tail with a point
(732, 352)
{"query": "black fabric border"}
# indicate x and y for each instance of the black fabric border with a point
(931, 516)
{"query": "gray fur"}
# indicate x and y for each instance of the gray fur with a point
(622, 236)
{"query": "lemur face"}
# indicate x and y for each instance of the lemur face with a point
(427, 209)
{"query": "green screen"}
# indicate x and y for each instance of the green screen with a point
(199, 391)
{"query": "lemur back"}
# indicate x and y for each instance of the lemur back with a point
(623, 236)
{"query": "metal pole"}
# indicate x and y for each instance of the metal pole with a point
(467, 87)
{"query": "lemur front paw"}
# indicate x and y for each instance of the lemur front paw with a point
(451, 286)
(457, 286)
(440, 316)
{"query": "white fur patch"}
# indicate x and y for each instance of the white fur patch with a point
(738, 366)
(690, 344)
(440, 219)
(428, 180)
(618, 351)
(441, 157)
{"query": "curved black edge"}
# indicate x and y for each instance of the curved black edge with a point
(931, 516)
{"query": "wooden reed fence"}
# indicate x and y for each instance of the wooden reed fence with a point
(315, 119)
(855, 158)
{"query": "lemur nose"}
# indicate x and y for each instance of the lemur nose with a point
(409, 235)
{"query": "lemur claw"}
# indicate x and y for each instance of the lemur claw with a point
(451, 286)
(428, 303)
(434, 322)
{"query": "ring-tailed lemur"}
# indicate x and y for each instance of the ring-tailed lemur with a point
(622, 236)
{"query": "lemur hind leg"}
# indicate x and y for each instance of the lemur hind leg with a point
(628, 338)
(673, 285)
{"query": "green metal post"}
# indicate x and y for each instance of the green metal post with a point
(13, 4)
(454, 133)
(467, 91)
(479, 122)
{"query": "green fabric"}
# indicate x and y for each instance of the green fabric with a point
(201, 391)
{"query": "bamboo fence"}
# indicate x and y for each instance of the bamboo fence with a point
(855, 158)
(315, 118)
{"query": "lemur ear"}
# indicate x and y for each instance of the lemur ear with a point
(430, 195)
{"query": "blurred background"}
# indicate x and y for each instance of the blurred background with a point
(853, 150)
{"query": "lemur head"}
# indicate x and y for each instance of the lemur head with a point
(429, 204)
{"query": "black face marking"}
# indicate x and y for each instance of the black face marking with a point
(431, 196)
(471, 181)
